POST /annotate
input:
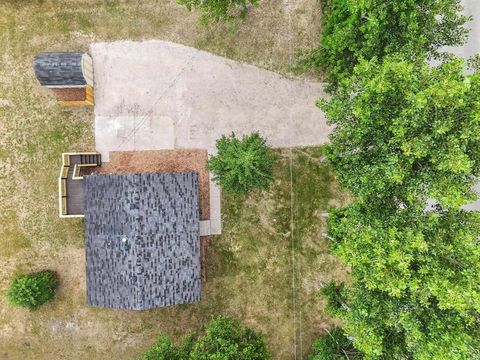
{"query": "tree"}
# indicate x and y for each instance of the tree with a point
(334, 345)
(416, 290)
(228, 339)
(405, 132)
(354, 30)
(32, 290)
(163, 349)
(224, 339)
(219, 10)
(242, 165)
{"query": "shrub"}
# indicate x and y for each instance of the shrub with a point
(224, 339)
(355, 30)
(32, 290)
(228, 339)
(334, 345)
(219, 10)
(242, 165)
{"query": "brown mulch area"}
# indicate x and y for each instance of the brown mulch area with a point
(70, 94)
(164, 161)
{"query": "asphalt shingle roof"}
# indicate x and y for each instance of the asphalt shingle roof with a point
(142, 240)
(59, 69)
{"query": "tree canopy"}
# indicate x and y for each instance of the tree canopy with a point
(406, 144)
(355, 30)
(334, 345)
(242, 165)
(405, 131)
(416, 281)
(224, 339)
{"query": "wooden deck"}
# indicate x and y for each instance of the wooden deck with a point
(71, 186)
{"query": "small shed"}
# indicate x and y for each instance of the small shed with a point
(68, 74)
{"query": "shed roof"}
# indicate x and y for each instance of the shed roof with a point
(59, 69)
(142, 240)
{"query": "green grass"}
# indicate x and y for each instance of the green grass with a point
(249, 266)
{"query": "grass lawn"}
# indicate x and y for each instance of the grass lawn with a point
(249, 266)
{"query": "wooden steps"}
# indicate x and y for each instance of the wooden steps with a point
(89, 99)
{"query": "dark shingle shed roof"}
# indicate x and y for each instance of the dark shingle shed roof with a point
(59, 69)
(142, 240)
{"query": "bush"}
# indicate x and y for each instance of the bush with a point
(355, 30)
(242, 165)
(224, 339)
(228, 339)
(219, 10)
(334, 345)
(32, 290)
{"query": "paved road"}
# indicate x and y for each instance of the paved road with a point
(472, 8)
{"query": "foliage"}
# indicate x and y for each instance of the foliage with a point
(416, 291)
(355, 30)
(474, 63)
(334, 345)
(405, 132)
(219, 10)
(335, 296)
(225, 339)
(32, 290)
(407, 135)
(163, 349)
(242, 165)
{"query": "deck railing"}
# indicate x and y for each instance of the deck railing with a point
(70, 172)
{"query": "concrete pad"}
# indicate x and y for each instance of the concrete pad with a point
(215, 209)
(204, 96)
(133, 133)
(205, 228)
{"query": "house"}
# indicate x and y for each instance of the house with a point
(68, 74)
(142, 239)
(142, 233)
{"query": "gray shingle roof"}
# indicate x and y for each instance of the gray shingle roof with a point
(59, 69)
(142, 240)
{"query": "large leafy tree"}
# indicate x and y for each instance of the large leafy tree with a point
(242, 165)
(355, 29)
(224, 339)
(219, 10)
(416, 289)
(406, 132)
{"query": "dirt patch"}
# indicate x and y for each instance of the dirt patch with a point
(164, 161)
(71, 94)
